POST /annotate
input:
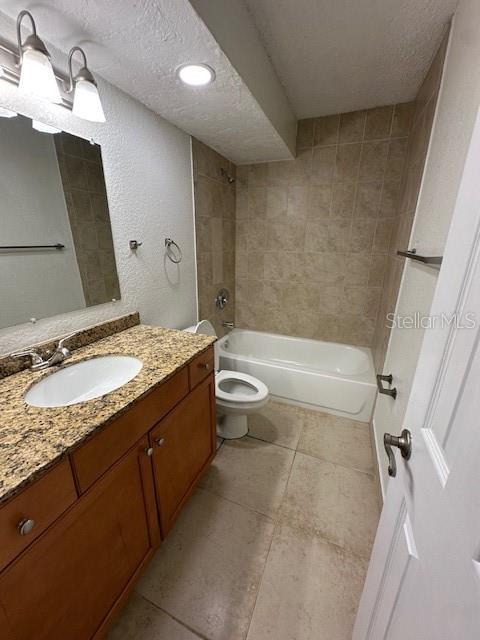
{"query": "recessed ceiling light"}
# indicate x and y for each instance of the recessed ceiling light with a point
(44, 128)
(7, 113)
(196, 75)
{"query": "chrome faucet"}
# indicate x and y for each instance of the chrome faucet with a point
(58, 356)
(228, 324)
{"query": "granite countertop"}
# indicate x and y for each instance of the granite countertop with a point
(33, 439)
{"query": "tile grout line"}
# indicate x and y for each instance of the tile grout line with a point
(238, 504)
(277, 524)
(177, 620)
(336, 464)
(276, 444)
(319, 536)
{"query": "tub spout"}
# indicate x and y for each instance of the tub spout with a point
(228, 324)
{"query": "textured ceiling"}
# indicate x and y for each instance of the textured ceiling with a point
(137, 46)
(342, 55)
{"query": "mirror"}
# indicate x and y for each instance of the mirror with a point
(56, 247)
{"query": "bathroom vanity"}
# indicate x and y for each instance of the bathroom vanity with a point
(89, 491)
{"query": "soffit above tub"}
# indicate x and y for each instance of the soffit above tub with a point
(137, 46)
(335, 56)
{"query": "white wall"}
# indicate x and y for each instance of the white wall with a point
(148, 173)
(454, 121)
(33, 211)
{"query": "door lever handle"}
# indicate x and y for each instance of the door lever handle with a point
(403, 442)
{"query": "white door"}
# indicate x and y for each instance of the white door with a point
(423, 581)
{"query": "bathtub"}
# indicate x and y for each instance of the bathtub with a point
(331, 377)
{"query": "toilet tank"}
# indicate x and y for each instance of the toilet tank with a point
(205, 328)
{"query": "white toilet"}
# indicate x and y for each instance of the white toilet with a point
(237, 394)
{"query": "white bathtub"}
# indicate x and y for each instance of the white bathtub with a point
(331, 377)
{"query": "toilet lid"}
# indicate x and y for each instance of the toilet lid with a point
(233, 386)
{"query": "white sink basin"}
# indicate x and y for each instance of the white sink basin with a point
(83, 381)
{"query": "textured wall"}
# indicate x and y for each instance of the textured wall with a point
(215, 233)
(424, 111)
(147, 165)
(313, 234)
(83, 181)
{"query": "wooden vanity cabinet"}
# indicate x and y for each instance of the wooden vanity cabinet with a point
(183, 443)
(71, 580)
(108, 505)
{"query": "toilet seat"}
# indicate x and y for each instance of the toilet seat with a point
(255, 390)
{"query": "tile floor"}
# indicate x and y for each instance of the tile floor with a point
(275, 542)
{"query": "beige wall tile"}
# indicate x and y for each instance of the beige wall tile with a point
(347, 162)
(326, 130)
(352, 126)
(316, 236)
(326, 222)
(323, 165)
(276, 202)
(379, 123)
(284, 236)
(368, 199)
(305, 133)
(396, 159)
(217, 205)
(404, 171)
(357, 268)
(362, 235)
(402, 119)
(374, 160)
(319, 201)
(343, 199)
(297, 202)
(258, 175)
(338, 235)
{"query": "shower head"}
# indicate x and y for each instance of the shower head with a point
(227, 176)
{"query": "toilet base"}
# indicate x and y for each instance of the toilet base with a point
(232, 426)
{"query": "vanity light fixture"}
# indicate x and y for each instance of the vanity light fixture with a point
(7, 113)
(27, 65)
(86, 99)
(36, 71)
(196, 75)
(44, 128)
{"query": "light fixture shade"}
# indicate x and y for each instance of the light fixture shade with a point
(7, 113)
(44, 128)
(86, 101)
(37, 76)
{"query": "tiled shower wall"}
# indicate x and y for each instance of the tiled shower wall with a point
(424, 111)
(313, 234)
(215, 232)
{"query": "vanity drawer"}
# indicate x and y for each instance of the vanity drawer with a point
(42, 503)
(201, 367)
(98, 454)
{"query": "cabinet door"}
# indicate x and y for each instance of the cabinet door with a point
(184, 443)
(68, 583)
